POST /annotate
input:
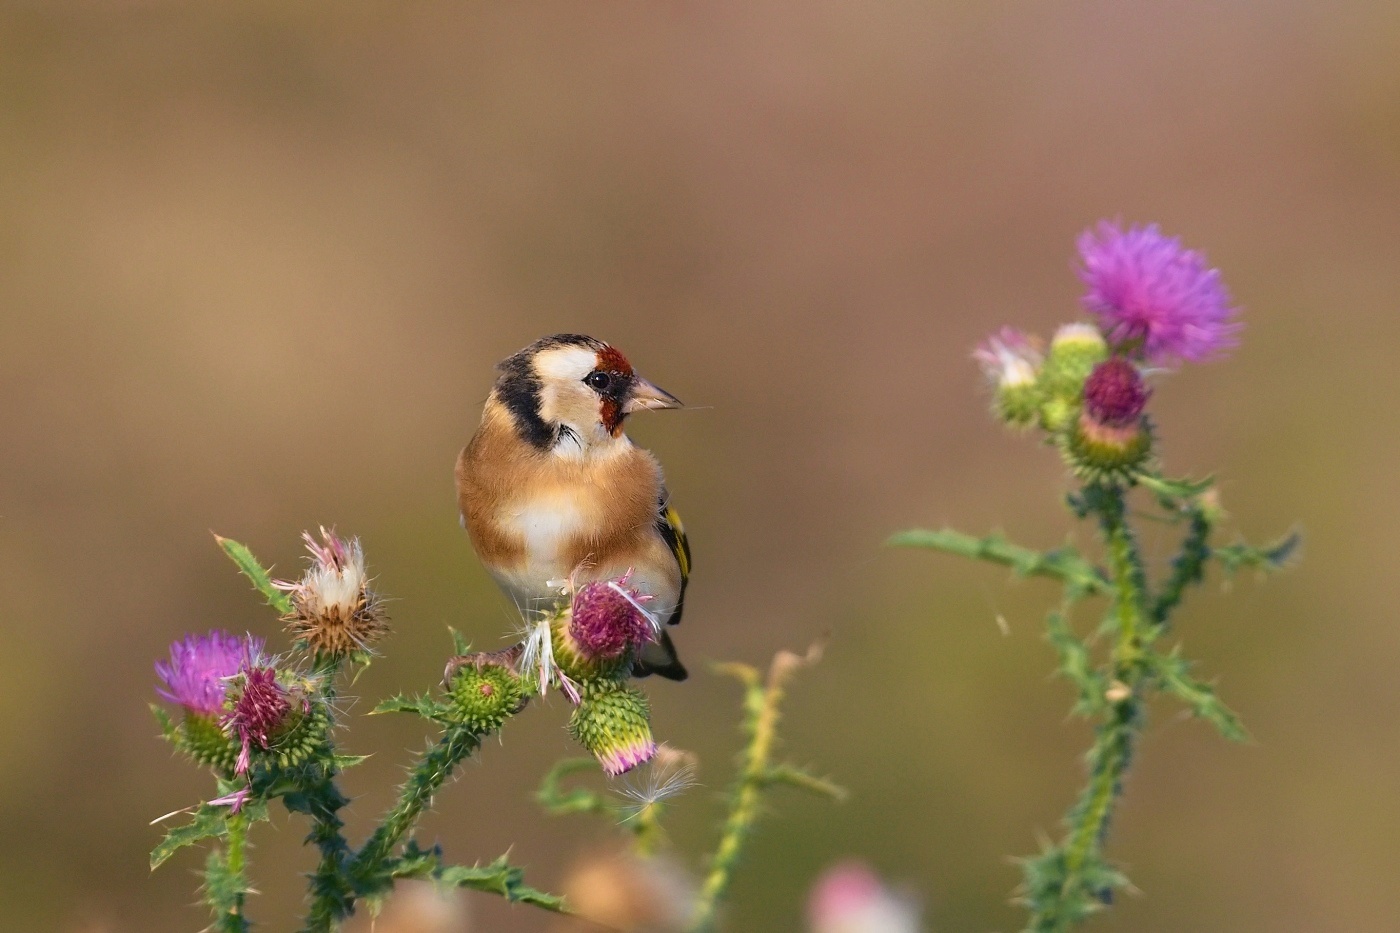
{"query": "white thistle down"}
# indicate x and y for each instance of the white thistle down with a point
(334, 611)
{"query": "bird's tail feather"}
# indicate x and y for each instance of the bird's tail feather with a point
(660, 658)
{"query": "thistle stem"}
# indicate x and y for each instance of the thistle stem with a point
(426, 778)
(762, 705)
(1189, 566)
(228, 890)
(332, 898)
(1115, 739)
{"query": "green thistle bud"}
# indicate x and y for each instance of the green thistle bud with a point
(1010, 360)
(1111, 438)
(612, 721)
(205, 742)
(1104, 453)
(1074, 352)
(485, 691)
(277, 717)
(1057, 413)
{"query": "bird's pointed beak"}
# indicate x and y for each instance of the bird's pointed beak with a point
(646, 396)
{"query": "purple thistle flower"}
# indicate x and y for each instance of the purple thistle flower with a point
(608, 619)
(196, 675)
(1155, 298)
(259, 712)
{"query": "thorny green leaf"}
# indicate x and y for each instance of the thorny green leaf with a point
(1174, 674)
(1063, 564)
(207, 822)
(255, 572)
(1174, 491)
(793, 776)
(424, 706)
(499, 877)
(558, 801)
(1270, 557)
(460, 645)
(1076, 665)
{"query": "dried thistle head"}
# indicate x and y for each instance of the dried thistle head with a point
(334, 613)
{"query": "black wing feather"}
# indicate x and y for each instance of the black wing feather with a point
(661, 658)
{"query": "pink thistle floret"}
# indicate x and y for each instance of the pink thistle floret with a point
(233, 801)
(1114, 393)
(1154, 298)
(623, 757)
(850, 898)
(196, 674)
(608, 620)
(258, 714)
(1009, 357)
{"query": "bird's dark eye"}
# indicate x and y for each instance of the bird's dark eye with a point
(598, 379)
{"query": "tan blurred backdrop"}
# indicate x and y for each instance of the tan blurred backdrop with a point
(257, 260)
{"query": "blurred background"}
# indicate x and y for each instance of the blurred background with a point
(257, 261)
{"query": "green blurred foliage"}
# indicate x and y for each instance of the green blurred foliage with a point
(256, 263)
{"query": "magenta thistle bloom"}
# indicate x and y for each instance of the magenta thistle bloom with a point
(259, 713)
(196, 675)
(1114, 393)
(1155, 298)
(608, 620)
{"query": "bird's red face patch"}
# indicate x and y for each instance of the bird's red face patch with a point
(610, 413)
(611, 360)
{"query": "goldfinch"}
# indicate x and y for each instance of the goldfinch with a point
(552, 490)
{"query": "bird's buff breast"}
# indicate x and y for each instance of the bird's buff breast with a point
(553, 533)
(548, 529)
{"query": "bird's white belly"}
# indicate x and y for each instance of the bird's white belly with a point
(546, 527)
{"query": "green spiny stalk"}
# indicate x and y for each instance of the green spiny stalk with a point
(1188, 568)
(761, 707)
(458, 742)
(225, 881)
(1112, 753)
(332, 897)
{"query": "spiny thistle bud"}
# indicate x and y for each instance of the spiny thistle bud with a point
(1114, 394)
(603, 627)
(197, 677)
(1074, 352)
(334, 612)
(1111, 438)
(285, 725)
(612, 721)
(1011, 361)
(485, 690)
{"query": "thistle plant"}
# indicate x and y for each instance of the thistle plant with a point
(266, 726)
(1154, 305)
(639, 806)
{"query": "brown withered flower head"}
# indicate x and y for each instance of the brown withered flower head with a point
(334, 613)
